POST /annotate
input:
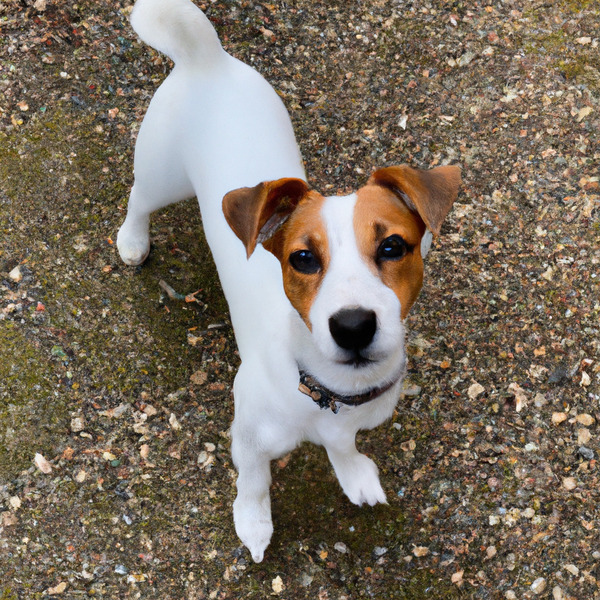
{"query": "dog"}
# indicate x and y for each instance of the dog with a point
(318, 287)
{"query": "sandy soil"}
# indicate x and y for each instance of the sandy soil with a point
(115, 475)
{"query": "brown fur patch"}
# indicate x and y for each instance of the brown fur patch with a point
(304, 230)
(379, 214)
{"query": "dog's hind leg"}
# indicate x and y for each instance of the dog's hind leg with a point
(133, 239)
(160, 180)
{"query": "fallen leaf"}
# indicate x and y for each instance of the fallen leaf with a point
(457, 577)
(584, 112)
(57, 589)
(199, 377)
(519, 394)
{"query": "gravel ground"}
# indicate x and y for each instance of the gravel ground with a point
(115, 475)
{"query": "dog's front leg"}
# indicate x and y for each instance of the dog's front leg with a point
(358, 475)
(252, 506)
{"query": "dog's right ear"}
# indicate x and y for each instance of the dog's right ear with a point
(255, 214)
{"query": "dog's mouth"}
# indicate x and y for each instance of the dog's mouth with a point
(357, 361)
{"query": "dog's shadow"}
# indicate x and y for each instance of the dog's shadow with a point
(310, 509)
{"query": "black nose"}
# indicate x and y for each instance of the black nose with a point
(353, 328)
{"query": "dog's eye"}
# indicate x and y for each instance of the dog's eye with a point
(304, 261)
(392, 248)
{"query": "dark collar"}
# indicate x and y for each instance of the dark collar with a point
(327, 399)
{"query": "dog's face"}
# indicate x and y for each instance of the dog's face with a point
(352, 265)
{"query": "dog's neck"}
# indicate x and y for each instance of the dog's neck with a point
(325, 398)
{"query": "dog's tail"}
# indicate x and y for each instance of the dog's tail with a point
(177, 28)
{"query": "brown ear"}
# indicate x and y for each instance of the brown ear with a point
(255, 214)
(429, 193)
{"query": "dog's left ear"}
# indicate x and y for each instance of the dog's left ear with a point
(255, 214)
(428, 193)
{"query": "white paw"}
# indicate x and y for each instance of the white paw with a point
(133, 248)
(359, 479)
(253, 526)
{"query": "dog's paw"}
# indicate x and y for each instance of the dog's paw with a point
(253, 526)
(360, 481)
(133, 248)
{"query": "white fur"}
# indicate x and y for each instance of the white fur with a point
(215, 125)
(426, 243)
(350, 283)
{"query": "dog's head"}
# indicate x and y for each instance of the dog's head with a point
(352, 265)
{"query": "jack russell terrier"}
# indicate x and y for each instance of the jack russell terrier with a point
(318, 287)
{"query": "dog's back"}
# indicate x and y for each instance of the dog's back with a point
(213, 125)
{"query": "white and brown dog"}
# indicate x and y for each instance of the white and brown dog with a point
(318, 287)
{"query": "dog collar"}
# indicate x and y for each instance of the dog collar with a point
(327, 399)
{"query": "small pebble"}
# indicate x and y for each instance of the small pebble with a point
(277, 585)
(16, 275)
(557, 593)
(584, 435)
(77, 424)
(475, 390)
(559, 417)
(538, 586)
(341, 547)
(121, 570)
(585, 419)
(42, 464)
(174, 423)
(569, 483)
(572, 569)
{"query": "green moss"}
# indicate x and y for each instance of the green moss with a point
(573, 61)
(27, 400)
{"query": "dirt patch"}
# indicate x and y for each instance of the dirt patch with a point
(491, 470)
